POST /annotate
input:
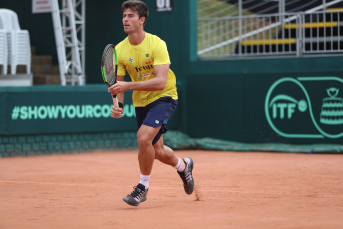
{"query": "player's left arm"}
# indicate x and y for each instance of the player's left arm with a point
(155, 84)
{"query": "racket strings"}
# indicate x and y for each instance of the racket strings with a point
(109, 67)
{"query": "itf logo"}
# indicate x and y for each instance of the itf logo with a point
(280, 108)
(306, 107)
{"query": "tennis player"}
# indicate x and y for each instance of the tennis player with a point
(145, 57)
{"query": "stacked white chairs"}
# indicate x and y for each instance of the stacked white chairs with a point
(3, 49)
(18, 42)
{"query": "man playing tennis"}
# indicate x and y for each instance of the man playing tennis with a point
(145, 57)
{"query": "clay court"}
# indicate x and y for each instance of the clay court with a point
(233, 190)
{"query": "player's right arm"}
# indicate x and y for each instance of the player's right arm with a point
(118, 112)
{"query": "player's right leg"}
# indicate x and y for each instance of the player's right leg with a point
(146, 154)
(146, 157)
(184, 167)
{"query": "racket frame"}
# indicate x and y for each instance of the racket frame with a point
(115, 65)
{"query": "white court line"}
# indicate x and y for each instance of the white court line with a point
(202, 190)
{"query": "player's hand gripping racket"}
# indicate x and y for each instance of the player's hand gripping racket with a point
(109, 67)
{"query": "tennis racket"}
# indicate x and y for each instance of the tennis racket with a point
(109, 66)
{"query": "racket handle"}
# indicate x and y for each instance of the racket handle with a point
(115, 100)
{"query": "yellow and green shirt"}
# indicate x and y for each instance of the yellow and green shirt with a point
(139, 61)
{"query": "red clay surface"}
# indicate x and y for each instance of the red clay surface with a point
(236, 190)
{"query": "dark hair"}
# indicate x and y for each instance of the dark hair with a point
(140, 7)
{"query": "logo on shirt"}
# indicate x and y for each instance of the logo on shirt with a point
(147, 55)
(145, 75)
(130, 59)
(146, 67)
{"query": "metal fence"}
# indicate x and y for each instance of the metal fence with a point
(281, 34)
(321, 33)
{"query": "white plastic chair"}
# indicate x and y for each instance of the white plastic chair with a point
(7, 26)
(3, 48)
(21, 51)
(18, 41)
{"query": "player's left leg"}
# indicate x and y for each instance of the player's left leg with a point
(184, 167)
(165, 154)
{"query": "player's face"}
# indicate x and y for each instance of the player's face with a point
(131, 21)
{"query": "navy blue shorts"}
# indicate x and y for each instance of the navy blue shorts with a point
(156, 114)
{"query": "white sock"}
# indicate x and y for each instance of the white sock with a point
(180, 165)
(145, 180)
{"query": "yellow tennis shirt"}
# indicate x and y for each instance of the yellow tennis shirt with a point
(139, 61)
